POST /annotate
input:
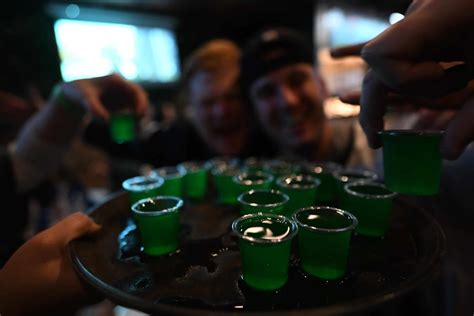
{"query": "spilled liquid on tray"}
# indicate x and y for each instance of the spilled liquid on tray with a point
(195, 276)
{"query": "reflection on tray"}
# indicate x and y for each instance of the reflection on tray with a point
(206, 273)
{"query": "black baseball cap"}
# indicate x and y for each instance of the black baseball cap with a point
(272, 49)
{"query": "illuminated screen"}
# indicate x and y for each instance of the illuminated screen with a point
(89, 49)
(337, 27)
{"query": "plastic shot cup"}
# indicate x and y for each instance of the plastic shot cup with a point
(412, 161)
(139, 188)
(327, 191)
(301, 189)
(262, 201)
(173, 180)
(221, 161)
(122, 126)
(226, 189)
(279, 168)
(195, 179)
(324, 239)
(247, 181)
(347, 175)
(265, 246)
(158, 223)
(253, 164)
(371, 203)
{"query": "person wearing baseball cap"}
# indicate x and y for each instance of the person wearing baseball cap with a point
(279, 76)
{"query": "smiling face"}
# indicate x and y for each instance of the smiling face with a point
(217, 110)
(289, 104)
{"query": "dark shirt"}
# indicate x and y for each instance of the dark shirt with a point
(181, 142)
(14, 209)
(170, 145)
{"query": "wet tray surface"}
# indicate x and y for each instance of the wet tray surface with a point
(203, 277)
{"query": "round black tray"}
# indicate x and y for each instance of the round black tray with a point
(203, 277)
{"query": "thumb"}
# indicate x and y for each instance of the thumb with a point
(460, 131)
(345, 51)
(351, 97)
(72, 227)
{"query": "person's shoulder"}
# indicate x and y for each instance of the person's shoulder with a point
(343, 125)
(349, 137)
(346, 128)
(342, 131)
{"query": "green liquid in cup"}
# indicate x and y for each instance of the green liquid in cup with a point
(158, 223)
(278, 169)
(412, 161)
(139, 188)
(122, 127)
(173, 181)
(327, 190)
(324, 238)
(221, 162)
(301, 190)
(195, 179)
(253, 164)
(195, 184)
(265, 245)
(263, 201)
(227, 191)
(345, 176)
(371, 203)
(252, 181)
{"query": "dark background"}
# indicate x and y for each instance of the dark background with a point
(27, 39)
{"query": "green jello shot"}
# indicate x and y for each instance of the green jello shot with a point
(324, 239)
(122, 126)
(327, 191)
(412, 161)
(265, 245)
(301, 189)
(195, 179)
(262, 201)
(246, 181)
(139, 188)
(158, 223)
(279, 168)
(348, 175)
(173, 181)
(253, 164)
(226, 189)
(221, 161)
(371, 203)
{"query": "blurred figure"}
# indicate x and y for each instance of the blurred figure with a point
(288, 95)
(43, 141)
(216, 118)
(216, 109)
(14, 112)
(40, 271)
(19, 95)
